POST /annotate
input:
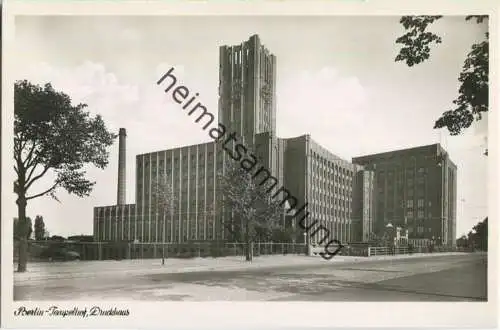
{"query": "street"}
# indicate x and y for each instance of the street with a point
(458, 277)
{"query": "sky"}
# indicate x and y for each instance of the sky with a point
(336, 79)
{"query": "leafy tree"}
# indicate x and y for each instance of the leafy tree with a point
(477, 238)
(39, 228)
(57, 238)
(480, 236)
(463, 242)
(164, 200)
(53, 136)
(252, 209)
(19, 229)
(472, 100)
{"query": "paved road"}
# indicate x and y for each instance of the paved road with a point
(436, 278)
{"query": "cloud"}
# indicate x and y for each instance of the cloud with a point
(86, 81)
(324, 103)
(154, 121)
(324, 91)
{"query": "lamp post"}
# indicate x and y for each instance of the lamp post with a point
(163, 242)
(305, 242)
(389, 230)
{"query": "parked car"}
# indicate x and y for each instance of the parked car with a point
(59, 253)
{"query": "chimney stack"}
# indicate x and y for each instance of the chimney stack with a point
(121, 196)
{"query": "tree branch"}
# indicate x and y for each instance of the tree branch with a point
(30, 154)
(34, 161)
(17, 149)
(30, 174)
(30, 182)
(43, 193)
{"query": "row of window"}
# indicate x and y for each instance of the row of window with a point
(418, 229)
(330, 211)
(420, 214)
(193, 158)
(409, 171)
(420, 203)
(149, 232)
(339, 231)
(328, 167)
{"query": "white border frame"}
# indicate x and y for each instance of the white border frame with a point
(250, 314)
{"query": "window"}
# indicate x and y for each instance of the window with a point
(420, 203)
(420, 214)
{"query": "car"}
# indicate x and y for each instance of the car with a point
(59, 253)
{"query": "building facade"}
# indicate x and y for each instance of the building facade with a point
(363, 205)
(415, 188)
(247, 107)
(324, 181)
(351, 199)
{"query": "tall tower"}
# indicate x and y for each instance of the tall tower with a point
(122, 159)
(247, 89)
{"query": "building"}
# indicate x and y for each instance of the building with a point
(363, 211)
(351, 199)
(415, 188)
(324, 181)
(247, 93)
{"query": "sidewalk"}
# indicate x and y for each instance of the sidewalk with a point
(94, 269)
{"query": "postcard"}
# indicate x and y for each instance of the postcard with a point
(258, 164)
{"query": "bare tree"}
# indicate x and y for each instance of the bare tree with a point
(164, 201)
(250, 203)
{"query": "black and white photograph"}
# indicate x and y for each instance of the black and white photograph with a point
(246, 158)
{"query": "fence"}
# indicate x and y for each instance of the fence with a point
(129, 250)
(126, 250)
(377, 251)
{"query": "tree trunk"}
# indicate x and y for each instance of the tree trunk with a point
(248, 252)
(163, 254)
(23, 240)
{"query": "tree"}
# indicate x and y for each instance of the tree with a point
(472, 100)
(463, 242)
(250, 204)
(19, 229)
(480, 235)
(164, 200)
(477, 238)
(53, 136)
(39, 228)
(57, 238)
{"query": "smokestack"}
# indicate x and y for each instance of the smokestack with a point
(121, 197)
